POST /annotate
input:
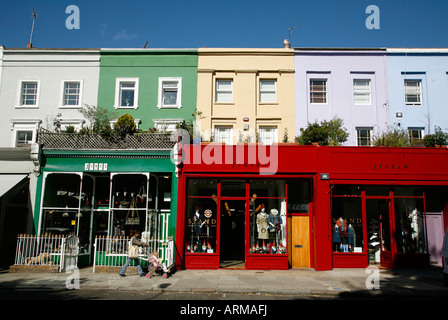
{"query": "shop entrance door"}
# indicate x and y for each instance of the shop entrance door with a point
(232, 233)
(378, 212)
(300, 242)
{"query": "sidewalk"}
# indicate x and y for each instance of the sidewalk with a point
(294, 282)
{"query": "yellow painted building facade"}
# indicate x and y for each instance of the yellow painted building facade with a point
(246, 95)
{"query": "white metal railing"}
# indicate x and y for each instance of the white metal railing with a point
(46, 250)
(113, 251)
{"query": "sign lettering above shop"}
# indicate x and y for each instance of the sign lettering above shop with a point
(389, 166)
(95, 166)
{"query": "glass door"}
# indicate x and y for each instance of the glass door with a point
(232, 233)
(378, 212)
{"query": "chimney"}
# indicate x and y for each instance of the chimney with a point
(286, 44)
(29, 46)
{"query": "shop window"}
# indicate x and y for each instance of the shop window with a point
(347, 190)
(347, 224)
(62, 191)
(377, 190)
(201, 225)
(267, 217)
(267, 226)
(409, 223)
(299, 196)
(198, 187)
(129, 196)
(233, 188)
(267, 188)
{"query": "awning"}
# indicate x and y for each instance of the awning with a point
(8, 181)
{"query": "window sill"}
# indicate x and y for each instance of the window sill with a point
(70, 107)
(125, 107)
(224, 103)
(169, 107)
(27, 107)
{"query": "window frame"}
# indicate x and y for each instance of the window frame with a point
(62, 103)
(160, 103)
(230, 137)
(261, 136)
(419, 93)
(22, 126)
(260, 91)
(311, 92)
(118, 90)
(369, 92)
(19, 102)
(421, 133)
(370, 132)
(224, 91)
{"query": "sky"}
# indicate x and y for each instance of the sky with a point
(230, 23)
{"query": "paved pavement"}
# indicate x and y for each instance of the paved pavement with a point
(336, 283)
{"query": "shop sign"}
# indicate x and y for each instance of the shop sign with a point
(95, 166)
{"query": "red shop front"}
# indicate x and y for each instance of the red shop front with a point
(287, 206)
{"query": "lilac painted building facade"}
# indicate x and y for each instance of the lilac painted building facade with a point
(347, 83)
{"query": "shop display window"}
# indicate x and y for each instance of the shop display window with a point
(409, 225)
(347, 224)
(267, 217)
(62, 190)
(201, 225)
(267, 226)
(129, 203)
(299, 196)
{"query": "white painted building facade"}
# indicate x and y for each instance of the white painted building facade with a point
(37, 87)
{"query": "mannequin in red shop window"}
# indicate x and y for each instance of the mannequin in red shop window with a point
(343, 231)
(262, 228)
(274, 226)
(197, 230)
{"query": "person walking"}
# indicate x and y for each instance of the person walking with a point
(134, 242)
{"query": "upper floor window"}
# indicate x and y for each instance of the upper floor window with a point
(318, 91)
(268, 134)
(362, 94)
(29, 93)
(170, 93)
(224, 90)
(268, 91)
(413, 92)
(364, 136)
(72, 94)
(126, 93)
(24, 132)
(416, 134)
(224, 134)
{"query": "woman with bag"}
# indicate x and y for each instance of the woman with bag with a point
(134, 245)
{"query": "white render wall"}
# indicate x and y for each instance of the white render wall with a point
(50, 67)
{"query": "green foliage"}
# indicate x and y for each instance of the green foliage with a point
(325, 133)
(438, 138)
(395, 137)
(125, 126)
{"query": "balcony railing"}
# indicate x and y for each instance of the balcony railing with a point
(71, 141)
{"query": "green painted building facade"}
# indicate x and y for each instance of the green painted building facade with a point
(158, 88)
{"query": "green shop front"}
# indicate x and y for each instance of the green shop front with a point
(107, 193)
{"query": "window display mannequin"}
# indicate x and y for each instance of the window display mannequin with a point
(343, 232)
(274, 221)
(262, 225)
(351, 238)
(336, 238)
